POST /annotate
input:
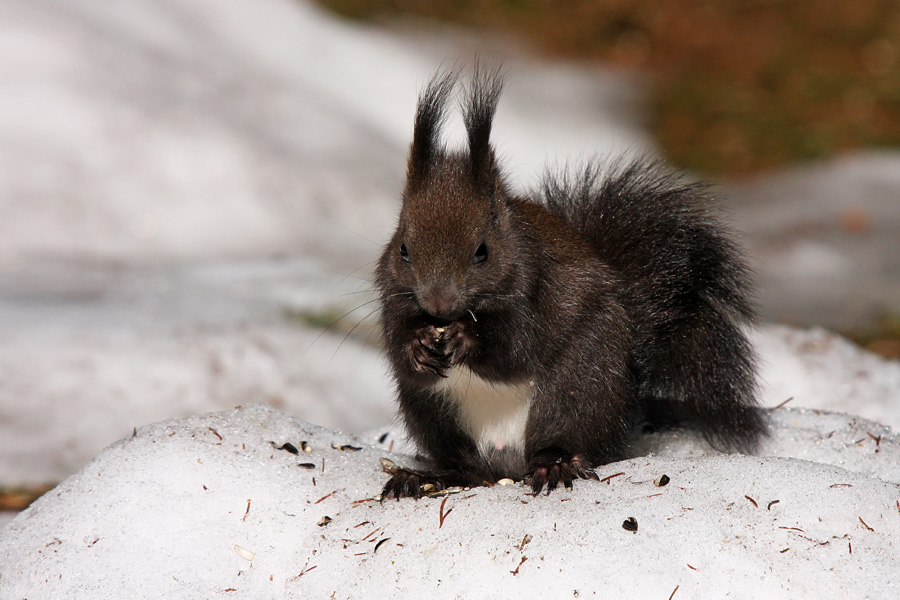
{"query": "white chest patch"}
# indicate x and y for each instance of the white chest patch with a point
(494, 414)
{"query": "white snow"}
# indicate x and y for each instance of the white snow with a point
(819, 369)
(178, 510)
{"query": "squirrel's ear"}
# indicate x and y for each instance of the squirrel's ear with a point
(479, 116)
(430, 116)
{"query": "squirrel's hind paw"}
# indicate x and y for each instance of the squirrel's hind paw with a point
(405, 483)
(553, 467)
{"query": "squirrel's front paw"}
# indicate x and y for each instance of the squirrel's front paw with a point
(426, 352)
(553, 466)
(456, 342)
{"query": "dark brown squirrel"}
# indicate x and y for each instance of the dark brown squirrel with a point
(528, 336)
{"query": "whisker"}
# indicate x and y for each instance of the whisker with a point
(491, 295)
(350, 274)
(396, 294)
(361, 236)
(351, 332)
(352, 310)
(357, 292)
(369, 337)
(336, 321)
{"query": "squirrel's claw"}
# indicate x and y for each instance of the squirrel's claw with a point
(551, 468)
(405, 483)
(426, 353)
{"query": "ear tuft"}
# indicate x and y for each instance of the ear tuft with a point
(430, 116)
(484, 94)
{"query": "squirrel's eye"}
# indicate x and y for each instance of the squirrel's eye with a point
(481, 253)
(404, 253)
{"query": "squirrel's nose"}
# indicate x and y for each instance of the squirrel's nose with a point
(442, 303)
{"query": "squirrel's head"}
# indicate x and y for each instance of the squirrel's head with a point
(454, 246)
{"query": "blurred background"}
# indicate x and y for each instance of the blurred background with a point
(734, 88)
(192, 191)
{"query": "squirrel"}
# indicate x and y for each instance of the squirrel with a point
(529, 335)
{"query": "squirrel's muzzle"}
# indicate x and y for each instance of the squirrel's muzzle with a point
(443, 303)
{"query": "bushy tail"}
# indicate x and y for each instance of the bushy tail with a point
(687, 287)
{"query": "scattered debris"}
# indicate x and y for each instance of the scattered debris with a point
(325, 496)
(287, 446)
(324, 521)
(630, 524)
(752, 501)
(244, 553)
(877, 441)
(376, 498)
(774, 408)
(661, 481)
(607, 479)
(303, 572)
(443, 515)
(346, 448)
(516, 572)
(445, 492)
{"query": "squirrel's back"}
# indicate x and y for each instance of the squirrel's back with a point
(685, 286)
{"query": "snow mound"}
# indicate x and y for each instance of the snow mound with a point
(218, 506)
(821, 369)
